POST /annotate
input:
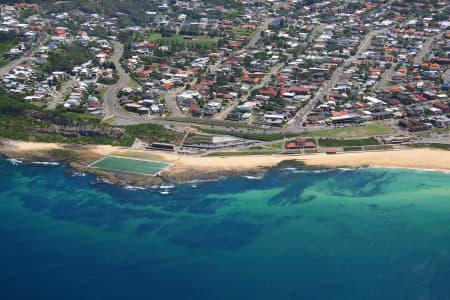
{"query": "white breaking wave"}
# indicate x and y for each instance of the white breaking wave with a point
(346, 169)
(134, 188)
(78, 174)
(255, 177)
(104, 180)
(45, 163)
(322, 171)
(413, 169)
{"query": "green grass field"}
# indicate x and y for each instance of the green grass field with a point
(358, 131)
(347, 143)
(4, 48)
(176, 39)
(241, 153)
(130, 165)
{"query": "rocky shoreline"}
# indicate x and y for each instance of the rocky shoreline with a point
(188, 168)
(79, 157)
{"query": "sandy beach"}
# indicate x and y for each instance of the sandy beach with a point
(21, 146)
(410, 158)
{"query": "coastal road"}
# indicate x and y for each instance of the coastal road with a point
(6, 69)
(110, 97)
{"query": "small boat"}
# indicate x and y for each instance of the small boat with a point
(194, 186)
(164, 193)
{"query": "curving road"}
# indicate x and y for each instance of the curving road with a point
(110, 97)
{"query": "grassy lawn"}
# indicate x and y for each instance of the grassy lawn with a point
(381, 147)
(435, 146)
(242, 153)
(347, 143)
(358, 131)
(4, 48)
(39, 104)
(177, 39)
(84, 118)
(110, 120)
(133, 83)
(311, 151)
(276, 146)
(352, 148)
(246, 135)
(209, 122)
(434, 130)
(197, 139)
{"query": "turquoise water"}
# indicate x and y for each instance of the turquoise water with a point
(130, 165)
(294, 234)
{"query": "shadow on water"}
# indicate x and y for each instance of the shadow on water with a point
(361, 185)
(226, 235)
(185, 217)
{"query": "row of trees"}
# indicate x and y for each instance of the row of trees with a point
(66, 57)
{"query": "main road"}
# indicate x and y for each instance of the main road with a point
(110, 96)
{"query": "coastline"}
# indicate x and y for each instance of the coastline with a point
(408, 158)
(186, 168)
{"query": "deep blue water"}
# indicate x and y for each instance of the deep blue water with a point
(293, 234)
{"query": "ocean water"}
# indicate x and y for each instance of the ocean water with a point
(295, 233)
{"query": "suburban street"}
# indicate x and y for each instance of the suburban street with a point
(171, 100)
(385, 78)
(6, 69)
(222, 115)
(59, 97)
(125, 118)
(426, 47)
(324, 90)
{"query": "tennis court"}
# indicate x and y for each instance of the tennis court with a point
(130, 165)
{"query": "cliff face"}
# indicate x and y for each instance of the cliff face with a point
(83, 130)
(66, 127)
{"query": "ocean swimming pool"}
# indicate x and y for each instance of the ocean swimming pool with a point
(130, 165)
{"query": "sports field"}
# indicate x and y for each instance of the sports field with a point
(130, 165)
